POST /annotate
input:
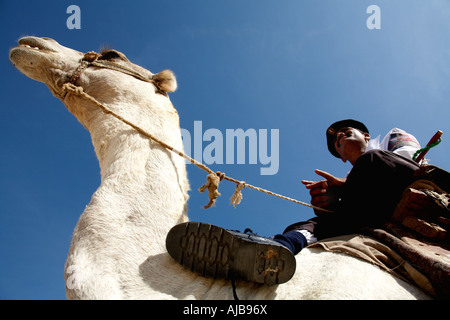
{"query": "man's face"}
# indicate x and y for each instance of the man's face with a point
(351, 143)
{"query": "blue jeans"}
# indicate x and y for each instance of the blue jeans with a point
(293, 240)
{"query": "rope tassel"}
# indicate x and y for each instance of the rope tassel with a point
(212, 184)
(236, 198)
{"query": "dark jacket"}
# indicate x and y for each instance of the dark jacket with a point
(369, 196)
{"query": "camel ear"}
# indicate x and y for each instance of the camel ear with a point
(165, 81)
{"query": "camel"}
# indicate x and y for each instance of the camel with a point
(118, 245)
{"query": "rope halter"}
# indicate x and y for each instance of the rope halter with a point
(92, 58)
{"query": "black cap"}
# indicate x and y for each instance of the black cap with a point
(335, 127)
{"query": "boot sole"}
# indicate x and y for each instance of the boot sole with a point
(217, 253)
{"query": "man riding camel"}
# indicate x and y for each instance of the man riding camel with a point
(376, 174)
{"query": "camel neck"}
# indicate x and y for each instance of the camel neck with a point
(136, 172)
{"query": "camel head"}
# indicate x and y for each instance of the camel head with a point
(45, 60)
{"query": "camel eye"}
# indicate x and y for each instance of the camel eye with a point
(110, 55)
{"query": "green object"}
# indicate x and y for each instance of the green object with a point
(428, 147)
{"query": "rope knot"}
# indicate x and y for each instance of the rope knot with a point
(212, 184)
(69, 87)
(236, 198)
(91, 56)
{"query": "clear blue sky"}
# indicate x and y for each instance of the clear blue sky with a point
(296, 66)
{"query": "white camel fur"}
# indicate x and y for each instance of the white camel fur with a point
(118, 246)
